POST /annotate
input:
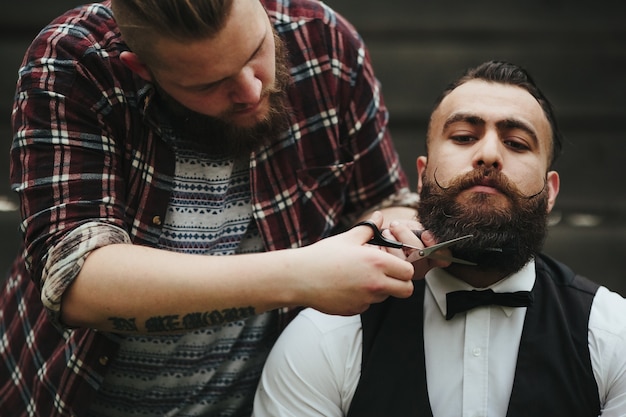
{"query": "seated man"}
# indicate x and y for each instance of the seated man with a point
(556, 344)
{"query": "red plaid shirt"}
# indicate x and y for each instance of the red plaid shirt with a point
(91, 142)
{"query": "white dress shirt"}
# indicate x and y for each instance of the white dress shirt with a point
(314, 367)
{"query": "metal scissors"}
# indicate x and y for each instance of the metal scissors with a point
(429, 252)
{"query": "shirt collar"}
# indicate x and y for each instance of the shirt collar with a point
(440, 282)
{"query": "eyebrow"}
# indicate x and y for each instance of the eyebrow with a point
(212, 83)
(464, 117)
(505, 124)
(508, 124)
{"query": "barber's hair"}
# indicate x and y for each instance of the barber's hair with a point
(143, 21)
(506, 73)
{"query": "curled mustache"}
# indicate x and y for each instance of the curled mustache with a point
(488, 177)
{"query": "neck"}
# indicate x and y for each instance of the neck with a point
(476, 276)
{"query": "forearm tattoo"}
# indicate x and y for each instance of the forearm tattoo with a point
(191, 321)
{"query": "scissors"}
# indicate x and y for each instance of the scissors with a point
(429, 252)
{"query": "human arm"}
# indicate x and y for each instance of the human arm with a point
(607, 346)
(313, 369)
(125, 287)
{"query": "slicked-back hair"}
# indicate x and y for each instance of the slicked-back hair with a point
(143, 21)
(503, 72)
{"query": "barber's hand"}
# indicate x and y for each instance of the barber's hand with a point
(343, 275)
(403, 232)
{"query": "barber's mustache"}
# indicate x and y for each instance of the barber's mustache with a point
(487, 177)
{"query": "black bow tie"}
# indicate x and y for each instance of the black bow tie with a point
(460, 301)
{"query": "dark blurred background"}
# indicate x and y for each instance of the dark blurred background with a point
(576, 52)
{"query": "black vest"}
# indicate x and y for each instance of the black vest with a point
(553, 376)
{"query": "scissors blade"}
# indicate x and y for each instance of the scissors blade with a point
(379, 240)
(434, 248)
(431, 252)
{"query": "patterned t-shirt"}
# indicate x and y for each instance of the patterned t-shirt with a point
(211, 371)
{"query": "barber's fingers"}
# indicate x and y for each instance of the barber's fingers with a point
(364, 233)
(405, 233)
(440, 258)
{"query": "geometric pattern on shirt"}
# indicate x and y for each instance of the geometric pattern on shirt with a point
(210, 370)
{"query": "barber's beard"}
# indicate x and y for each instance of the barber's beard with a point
(506, 234)
(219, 136)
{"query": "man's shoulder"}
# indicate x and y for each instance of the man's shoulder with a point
(84, 18)
(296, 9)
(608, 308)
(312, 333)
(563, 276)
(84, 42)
(89, 27)
(289, 14)
(607, 313)
(328, 323)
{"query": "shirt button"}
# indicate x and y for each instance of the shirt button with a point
(156, 220)
(104, 360)
(476, 351)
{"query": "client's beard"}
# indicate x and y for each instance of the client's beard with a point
(505, 238)
(220, 137)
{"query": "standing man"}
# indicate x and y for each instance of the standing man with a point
(178, 165)
(518, 334)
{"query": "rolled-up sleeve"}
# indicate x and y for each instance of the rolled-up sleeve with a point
(65, 259)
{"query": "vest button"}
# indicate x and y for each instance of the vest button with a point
(104, 360)
(156, 220)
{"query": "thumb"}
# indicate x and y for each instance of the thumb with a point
(364, 231)
(376, 218)
(428, 238)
